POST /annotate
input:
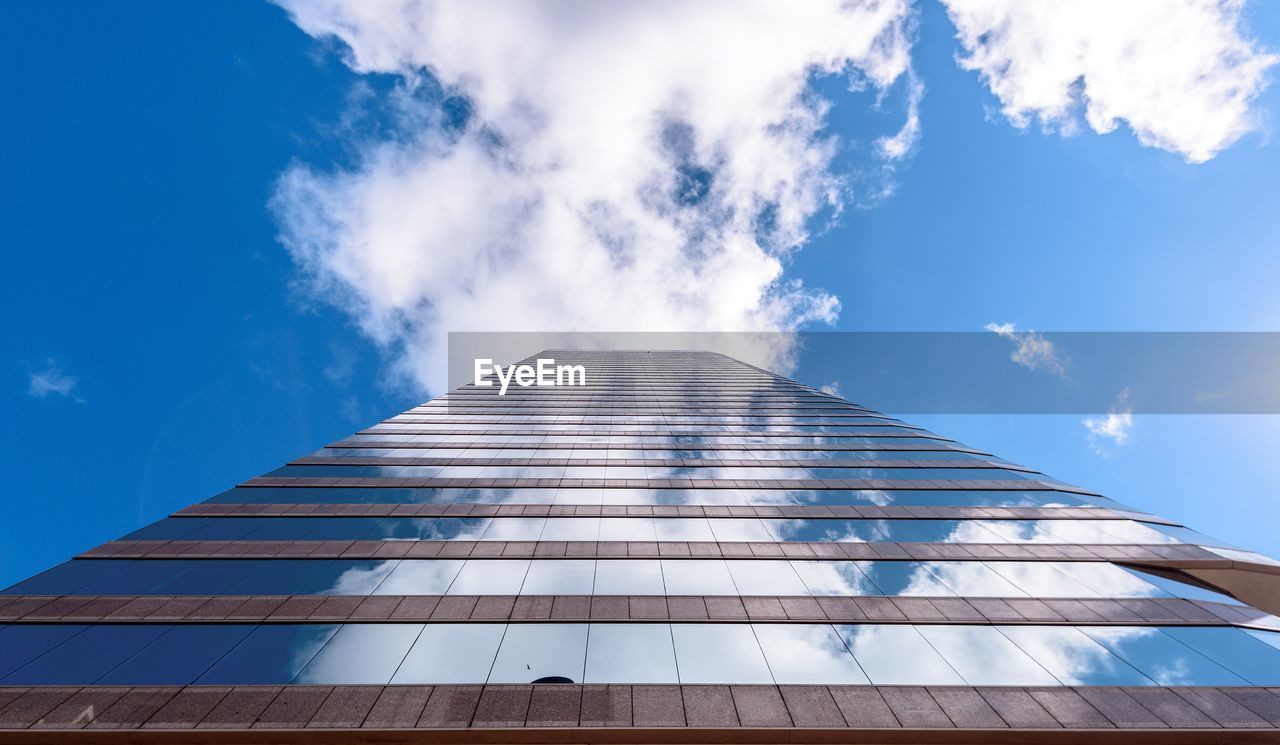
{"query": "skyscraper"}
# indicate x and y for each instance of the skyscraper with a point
(685, 541)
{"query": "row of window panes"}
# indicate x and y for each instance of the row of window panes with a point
(635, 653)
(699, 410)
(762, 407)
(692, 415)
(608, 419)
(625, 441)
(638, 454)
(703, 429)
(653, 472)
(1005, 579)
(645, 496)
(718, 529)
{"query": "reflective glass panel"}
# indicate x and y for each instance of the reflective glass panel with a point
(727, 653)
(630, 653)
(975, 579)
(807, 653)
(543, 652)
(1109, 580)
(1270, 637)
(1179, 589)
(841, 531)
(1072, 657)
(559, 577)
(451, 653)
(1161, 657)
(361, 654)
(347, 577)
(683, 529)
(515, 529)
(697, 577)
(1127, 531)
(571, 529)
(984, 656)
(1242, 654)
(420, 577)
(490, 577)
(903, 578)
(443, 529)
(270, 654)
(935, 531)
(739, 529)
(834, 578)
(628, 529)
(629, 577)
(897, 655)
(764, 577)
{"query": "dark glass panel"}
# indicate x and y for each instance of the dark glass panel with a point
(85, 657)
(208, 576)
(140, 578)
(22, 643)
(68, 577)
(168, 529)
(270, 654)
(179, 656)
(279, 577)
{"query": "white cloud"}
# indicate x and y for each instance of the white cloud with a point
(831, 389)
(51, 381)
(1113, 429)
(1031, 349)
(901, 144)
(1182, 74)
(626, 166)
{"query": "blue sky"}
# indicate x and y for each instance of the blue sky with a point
(163, 345)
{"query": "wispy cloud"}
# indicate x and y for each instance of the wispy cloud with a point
(598, 166)
(1182, 74)
(341, 365)
(832, 388)
(1112, 430)
(52, 380)
(900, 144)
(1031, 349)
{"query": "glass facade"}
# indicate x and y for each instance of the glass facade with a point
(638, 653)
(701, 577)
(651, 529)
(684, 519)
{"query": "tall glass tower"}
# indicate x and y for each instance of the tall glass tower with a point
(686, 541)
